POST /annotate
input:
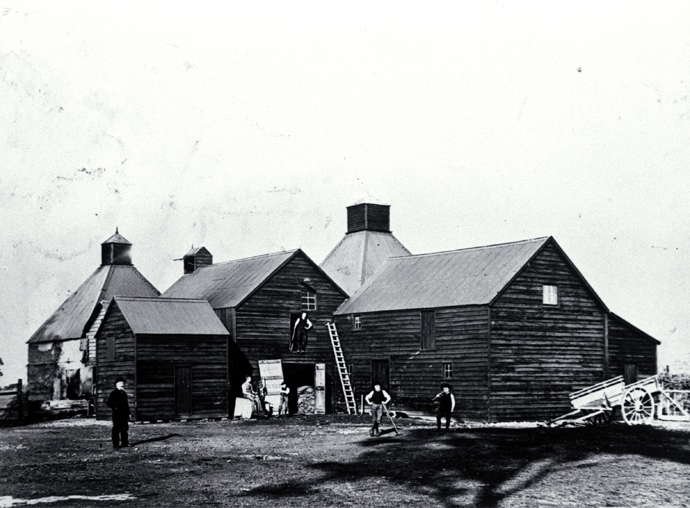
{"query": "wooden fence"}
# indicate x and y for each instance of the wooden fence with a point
(7, 397)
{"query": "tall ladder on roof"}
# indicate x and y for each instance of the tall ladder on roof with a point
(342, 370)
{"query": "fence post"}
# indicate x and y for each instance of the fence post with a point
(20, 401)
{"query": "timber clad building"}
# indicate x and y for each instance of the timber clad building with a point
(258, 300)
(62, 351)
(514, 328)
(172, 353)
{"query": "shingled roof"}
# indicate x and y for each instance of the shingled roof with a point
(169, 316)
(445, 279)
(72, 318)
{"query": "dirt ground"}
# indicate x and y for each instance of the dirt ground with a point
(322, 461)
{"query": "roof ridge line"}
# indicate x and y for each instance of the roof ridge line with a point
(291, 251)
(427, 254)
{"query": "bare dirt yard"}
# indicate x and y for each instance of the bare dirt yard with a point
(306, 461)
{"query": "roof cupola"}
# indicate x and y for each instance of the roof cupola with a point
(116, 250)
(368, 217)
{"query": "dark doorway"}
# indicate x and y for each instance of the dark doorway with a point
(183, 390)
(630, 373)
(296, 375)
(379, 373)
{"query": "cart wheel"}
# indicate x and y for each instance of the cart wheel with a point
(638, 406)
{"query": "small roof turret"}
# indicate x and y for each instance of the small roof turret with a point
(116, 250)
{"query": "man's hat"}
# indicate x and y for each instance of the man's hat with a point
(120, 380)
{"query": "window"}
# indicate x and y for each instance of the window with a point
(356, 322)
(550, 295)
(448, 370)
(308, 300)
(110, 348)
(428, 330)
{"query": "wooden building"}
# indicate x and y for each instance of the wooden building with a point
(367, 244)
(258, 300)
(62, 350)
(173, 354)
(513, 327)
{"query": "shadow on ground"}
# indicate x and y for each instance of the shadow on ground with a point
(491, 465)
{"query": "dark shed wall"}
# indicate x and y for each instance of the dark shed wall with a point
(629, 346)
(461, 338)
(541, 353)
(157, 358)
(114, 325)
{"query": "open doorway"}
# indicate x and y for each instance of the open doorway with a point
(296, 375)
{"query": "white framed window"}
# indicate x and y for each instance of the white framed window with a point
(550, 295)
(448, 370)
(308, 300)
(356, 322)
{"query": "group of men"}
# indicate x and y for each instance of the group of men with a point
(377, 399)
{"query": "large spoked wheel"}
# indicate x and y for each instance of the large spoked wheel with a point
(638, 407)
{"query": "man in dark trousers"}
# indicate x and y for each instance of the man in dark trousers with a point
(377, 398)
(300, 333)
(117, 401)
(446, 405)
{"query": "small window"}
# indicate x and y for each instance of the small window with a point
(550, 295)
(448, 370)
(110, 348)
(308, 300)
(428, 330)
(356, 322)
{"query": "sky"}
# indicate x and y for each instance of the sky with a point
(248, 128)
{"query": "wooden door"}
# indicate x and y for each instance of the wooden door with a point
(379, 373)
(630, 373)
(183, 390)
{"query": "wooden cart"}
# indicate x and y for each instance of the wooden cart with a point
(638, 401)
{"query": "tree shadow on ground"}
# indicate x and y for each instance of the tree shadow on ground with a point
(486, 465)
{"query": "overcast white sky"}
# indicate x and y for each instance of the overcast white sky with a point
(249, 127)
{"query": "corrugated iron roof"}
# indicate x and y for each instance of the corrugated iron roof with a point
(444, 279)
(358, 256)
(228, 284)
(170, 316)
(70, 319)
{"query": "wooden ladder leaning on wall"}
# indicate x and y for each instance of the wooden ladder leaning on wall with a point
(342, 369)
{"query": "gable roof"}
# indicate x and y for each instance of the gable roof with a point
(474, 276)
(359, 255)
(72, 319)
(169, 316)
(231, 283)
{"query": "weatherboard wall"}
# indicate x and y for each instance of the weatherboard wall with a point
(629, 346)
(148, 363)
(157, 358)
(415, 375)
(261, 326)
(541, 353)
(114, 327)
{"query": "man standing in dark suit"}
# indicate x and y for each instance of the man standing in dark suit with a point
(117, 401)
